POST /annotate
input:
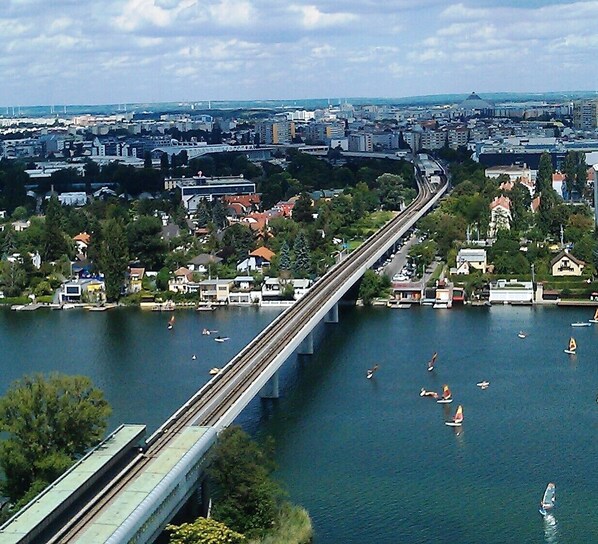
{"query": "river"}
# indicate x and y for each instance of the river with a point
(371, 460)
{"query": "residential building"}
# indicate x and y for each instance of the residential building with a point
(273, 289)
(514, 172)
(136, 279)
(470, 260)
(215, 291)
(585, 114)
(513, 291)
(565, 264)
(183, 282)
(201, 187)
(202, 263)
(275, 132)
(500, 215)
(257, 261)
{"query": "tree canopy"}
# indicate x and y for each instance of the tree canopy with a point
(49, 422)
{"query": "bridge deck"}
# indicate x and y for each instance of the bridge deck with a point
(126, 514)
(47, 504)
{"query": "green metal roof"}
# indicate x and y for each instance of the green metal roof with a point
(136, 491)
(54, 495)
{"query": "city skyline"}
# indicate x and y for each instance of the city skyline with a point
(178, 50)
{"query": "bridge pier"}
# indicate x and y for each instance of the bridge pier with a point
(271, 389)
(307, 346)
(332, 315)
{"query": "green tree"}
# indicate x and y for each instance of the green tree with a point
(55, 244)
(371, 286)
(203, 214)
(12, 278)
(238, 242)
(147, 159)
(145, 242)
(164, 162)
(245, 498)
(219, 214)
(285, 257)
(114, 257)
(49, 421)
(204, 531)
(545, 171)
(303, 209)
(162, 279)
(302, 260)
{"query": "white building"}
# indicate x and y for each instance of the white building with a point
(513, 291)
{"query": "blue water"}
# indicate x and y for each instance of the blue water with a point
(371, 460)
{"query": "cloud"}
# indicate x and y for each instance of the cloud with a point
(140, 50)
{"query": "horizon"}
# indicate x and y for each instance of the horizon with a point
(427, 99)
(158, 51)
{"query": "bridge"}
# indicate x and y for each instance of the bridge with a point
(151, 485)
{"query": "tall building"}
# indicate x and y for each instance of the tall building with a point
(585, 114)
(275, 132)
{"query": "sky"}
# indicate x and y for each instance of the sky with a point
(117, 51)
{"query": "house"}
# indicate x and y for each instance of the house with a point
(183, 281)
(242, 291)
(201, 262)
(170, 231)
(136, 279)
(83, 290)
(500, 215)
(215, 291)
(82, 241)
(273, 289)
(565, 264)
(470, 260)
(512, 291)
(20, 226)
(258, 260)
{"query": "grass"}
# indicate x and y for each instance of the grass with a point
(292, 527)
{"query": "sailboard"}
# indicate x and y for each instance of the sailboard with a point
(522, 334)
(432, 361)
(572, 346)
(457, 418)
(447, 396)
(371, 371)
(171, 323)
(595, 318)
(548, 499)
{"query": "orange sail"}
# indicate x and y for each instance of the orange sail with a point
(572, 344)
(446, 392)
(459, 415)
(171, 320)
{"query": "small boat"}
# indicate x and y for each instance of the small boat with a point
(432, 361)
(595, 318)
(572, 346)
(193, 357)
(208, 308)
(214, 371)
(447, 396)
(371, 371)
(171, 323)
(581, 324)
(483, 385)
(548, 499)
(424, 393)
(522, 334)
(457, 419)
(221, 339)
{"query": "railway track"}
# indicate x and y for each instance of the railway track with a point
(213, 400)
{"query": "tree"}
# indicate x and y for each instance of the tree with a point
(54, 242)
(369, 288)
(239, 240)
(12, 278)
(203, 214)
(49, 421)
(219, 214)
(114, 257)
(164, 162)
(245, 498)
(303, 209)
(302, 261)
(147, 159)
(545, 171)
(285, 257)
(145, 242)
(204, 531)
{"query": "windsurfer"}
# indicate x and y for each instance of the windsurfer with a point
(424, 393)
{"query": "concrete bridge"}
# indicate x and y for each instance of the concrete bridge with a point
(151, 485)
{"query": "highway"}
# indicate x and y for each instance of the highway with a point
(222, 398)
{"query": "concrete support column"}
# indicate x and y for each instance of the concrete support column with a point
(203, 497)
(307, 346)
(332, 315)
(271, 389)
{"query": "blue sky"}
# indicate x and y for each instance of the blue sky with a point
(113, 51)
